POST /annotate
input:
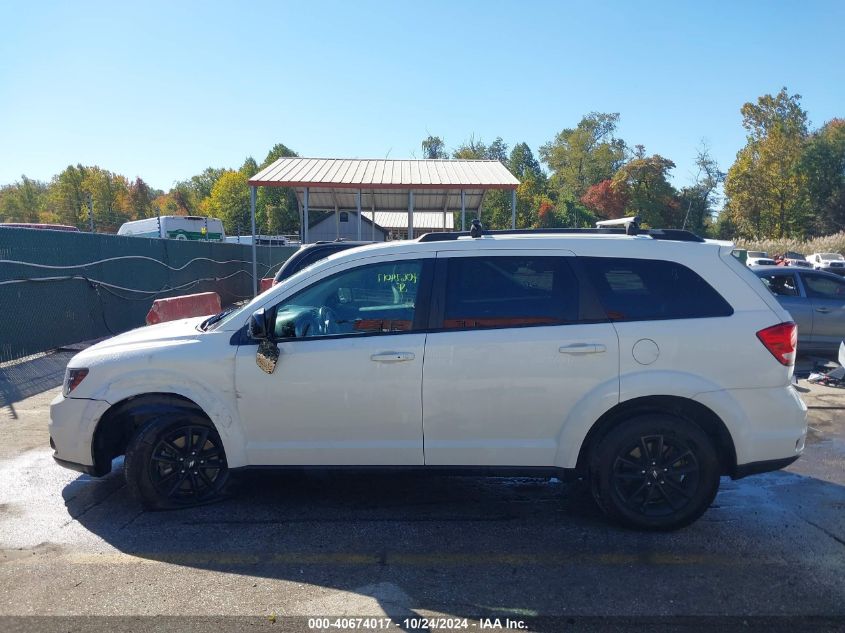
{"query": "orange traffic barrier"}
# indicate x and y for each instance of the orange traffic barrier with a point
(183, 307)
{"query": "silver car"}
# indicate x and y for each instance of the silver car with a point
(816, 301)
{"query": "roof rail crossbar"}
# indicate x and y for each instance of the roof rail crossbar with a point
(657, 234)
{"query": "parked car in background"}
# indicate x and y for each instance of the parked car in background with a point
(828, 262)
(816, 301)
(753, 258)
(762, 261)
(310, 253)
(791, 258)
(176, 227)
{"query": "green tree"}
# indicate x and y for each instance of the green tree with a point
(23, 201)
(698, 198)
(434, 147)
(67, 196)
(276, 208)
(823, 164)
(141, 198)
(110, 194)
(766, 188)
(585, 155)
(644, 180)
(229, 201)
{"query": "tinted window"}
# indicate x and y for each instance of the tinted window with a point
(821, 287)
(781, 285)
(644, 289)
(374, 298)
(483, 292)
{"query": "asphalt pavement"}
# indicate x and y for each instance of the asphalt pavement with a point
(287, 546)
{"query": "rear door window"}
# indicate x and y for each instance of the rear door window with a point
(497, 292)
(649, 289)
(823, 287)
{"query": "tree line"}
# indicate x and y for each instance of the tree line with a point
(787, 181)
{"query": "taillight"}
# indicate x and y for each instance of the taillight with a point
(781, 340)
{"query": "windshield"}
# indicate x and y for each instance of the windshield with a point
(757, 254)
(238, 312)
(831, 256)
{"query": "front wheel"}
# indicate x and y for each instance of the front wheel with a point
(176, 461)
(655, 472)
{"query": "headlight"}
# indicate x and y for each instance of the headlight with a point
(72, 379)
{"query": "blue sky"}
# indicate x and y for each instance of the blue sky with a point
(162, 90)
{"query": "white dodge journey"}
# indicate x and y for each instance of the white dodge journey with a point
(648, 365)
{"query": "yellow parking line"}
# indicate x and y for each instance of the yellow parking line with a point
(401, 559)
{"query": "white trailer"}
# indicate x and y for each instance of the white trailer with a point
(176, 227)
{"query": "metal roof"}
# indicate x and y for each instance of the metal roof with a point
(386, 174)
(385, 184)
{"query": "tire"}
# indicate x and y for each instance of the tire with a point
(669, 489)
(164, 472)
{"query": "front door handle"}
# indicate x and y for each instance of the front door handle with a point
(583, 348)
(823, 310)
(392, 357)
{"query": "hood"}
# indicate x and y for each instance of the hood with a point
(145, 338)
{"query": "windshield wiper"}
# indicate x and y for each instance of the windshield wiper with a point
(214, 319)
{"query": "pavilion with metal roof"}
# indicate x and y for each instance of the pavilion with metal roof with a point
(372, 186)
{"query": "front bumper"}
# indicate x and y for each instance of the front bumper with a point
(72, 425)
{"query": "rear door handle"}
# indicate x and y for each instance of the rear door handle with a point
(392, 357)
(823, 310)
(583, 348)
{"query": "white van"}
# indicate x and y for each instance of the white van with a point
(176, 227)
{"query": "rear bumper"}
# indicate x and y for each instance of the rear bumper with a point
(768, 425)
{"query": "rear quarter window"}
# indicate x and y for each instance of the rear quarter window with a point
(649, 289)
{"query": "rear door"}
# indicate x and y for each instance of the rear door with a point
(827, 296)
(510, 356)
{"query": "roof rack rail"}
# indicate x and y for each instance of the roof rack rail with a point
(678, 235)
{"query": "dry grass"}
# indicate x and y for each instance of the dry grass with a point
(828, 244)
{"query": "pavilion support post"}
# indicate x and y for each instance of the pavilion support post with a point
(358, 207)
(463, 211)
(410, 215)
(373, 216)
(254, 239)
(305, 221)
(513, 208)
(336, 223)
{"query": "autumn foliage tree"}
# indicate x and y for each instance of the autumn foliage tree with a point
(607, 200)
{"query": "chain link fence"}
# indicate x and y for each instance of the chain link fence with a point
(59, 288)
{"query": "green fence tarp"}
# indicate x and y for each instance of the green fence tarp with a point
(87, 286)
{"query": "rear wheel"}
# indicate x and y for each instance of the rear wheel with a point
(176, 461)
(655, 472)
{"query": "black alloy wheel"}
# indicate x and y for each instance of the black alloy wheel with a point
(656, 475)
(176, 461)
(655, 472)
(186, 464)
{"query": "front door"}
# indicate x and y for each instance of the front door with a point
(346, 389)
(511, 359)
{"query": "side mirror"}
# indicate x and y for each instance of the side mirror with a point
(258, 327)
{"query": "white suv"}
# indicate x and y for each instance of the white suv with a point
(648, 365)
